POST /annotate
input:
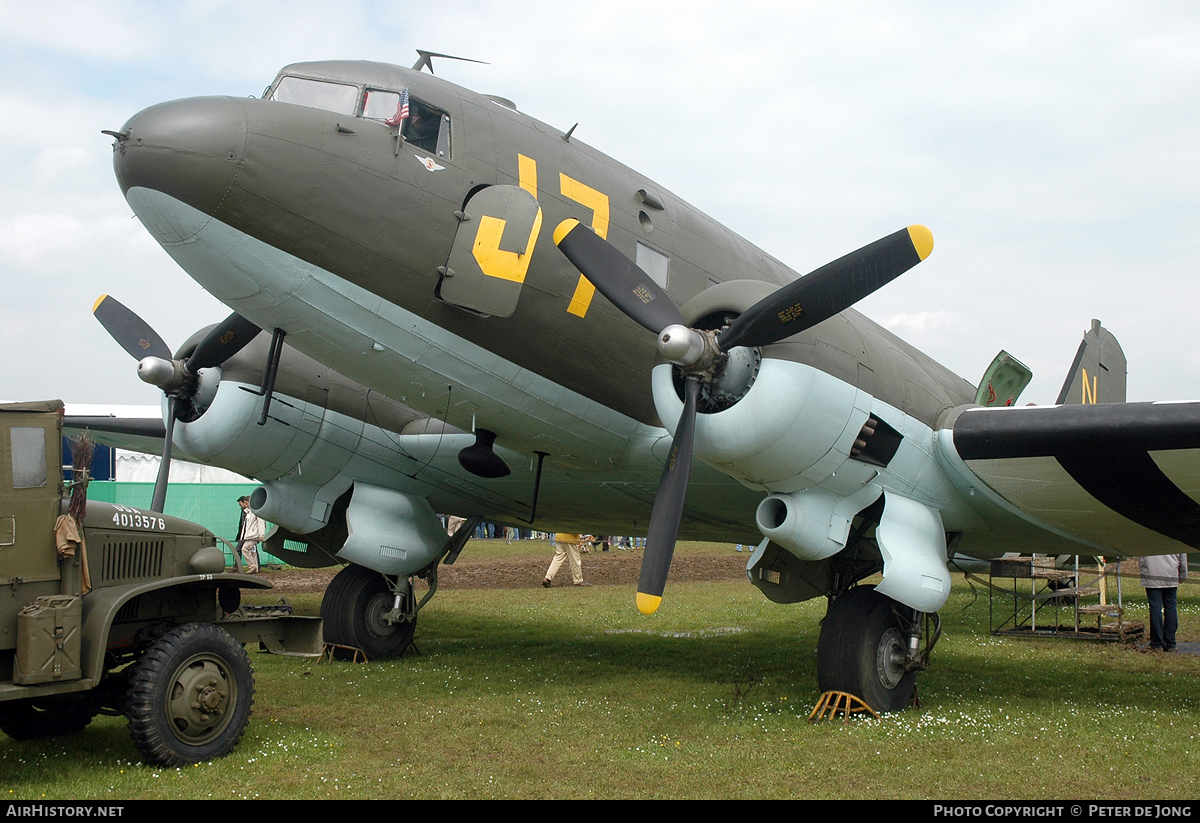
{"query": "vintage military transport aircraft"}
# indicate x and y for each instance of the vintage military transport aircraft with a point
(486, 317)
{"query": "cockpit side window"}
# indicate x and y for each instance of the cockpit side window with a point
(428, 129)
(421, 125)
(318, 94)
(381, 105)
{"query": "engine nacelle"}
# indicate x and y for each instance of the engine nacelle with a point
(912, 541)
(391, 532)
(227, 435)
(815, 524)
(793, 428)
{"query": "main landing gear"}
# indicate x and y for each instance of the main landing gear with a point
(377, 613)
(870, 648)
(366, 610)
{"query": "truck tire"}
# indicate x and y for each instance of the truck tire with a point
(190, 696)
(47, 716)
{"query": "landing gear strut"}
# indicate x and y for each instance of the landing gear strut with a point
(870, 647)
(360, 611)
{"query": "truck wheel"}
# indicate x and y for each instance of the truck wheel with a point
(190, 696)
(861, 651)
(353, 608)
(47, 716)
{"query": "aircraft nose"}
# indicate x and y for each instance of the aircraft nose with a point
(189, 149)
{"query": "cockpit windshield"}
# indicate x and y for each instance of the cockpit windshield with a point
(419, 124)
(318, 94)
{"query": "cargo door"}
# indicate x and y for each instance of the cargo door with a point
(492, 249)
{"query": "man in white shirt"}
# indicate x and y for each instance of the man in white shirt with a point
(250, 532)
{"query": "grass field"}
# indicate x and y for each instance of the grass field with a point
(570, 693)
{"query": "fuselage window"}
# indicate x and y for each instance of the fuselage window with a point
(654, 263)
(318, 94)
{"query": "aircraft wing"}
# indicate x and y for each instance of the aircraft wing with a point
(140, 434)
(1119, 475)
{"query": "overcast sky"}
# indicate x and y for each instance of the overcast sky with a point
(1052, 148)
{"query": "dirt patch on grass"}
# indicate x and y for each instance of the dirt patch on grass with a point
(599, 568)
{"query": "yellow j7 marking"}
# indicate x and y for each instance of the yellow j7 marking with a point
(598, 202)
(494, 261)
(527, 174)
(510, 266)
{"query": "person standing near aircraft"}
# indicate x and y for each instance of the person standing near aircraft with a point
(1161, 576)
(566, 548)
(250, 532)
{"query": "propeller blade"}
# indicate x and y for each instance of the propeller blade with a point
(668, 505)
(159, 500)
(617, 277)
(830, 289)
(226, 339)
(131, 332)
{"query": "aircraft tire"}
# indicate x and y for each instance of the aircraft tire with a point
(47, 717)
(861, 651)
(353, 609)
(190, 696)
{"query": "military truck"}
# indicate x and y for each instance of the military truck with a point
(129, 614)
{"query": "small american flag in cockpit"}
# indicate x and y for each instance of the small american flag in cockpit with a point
(401, 110)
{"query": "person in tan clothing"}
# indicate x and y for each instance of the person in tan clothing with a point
(566, 548)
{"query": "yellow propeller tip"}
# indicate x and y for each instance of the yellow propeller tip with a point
(922, 240)
(648, 603)
(99, 300)
(564, 228)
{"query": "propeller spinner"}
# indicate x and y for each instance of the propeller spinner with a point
(701, 355)
(156, 366)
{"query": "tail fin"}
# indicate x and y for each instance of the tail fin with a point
(1098, 373)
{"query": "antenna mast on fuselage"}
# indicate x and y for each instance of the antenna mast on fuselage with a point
(426, 60)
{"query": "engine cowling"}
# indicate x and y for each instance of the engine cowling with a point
(791, 427)
(799, 433)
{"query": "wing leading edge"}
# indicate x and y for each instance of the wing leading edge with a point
(140, 434)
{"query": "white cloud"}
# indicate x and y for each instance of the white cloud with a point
(33, 238)
(920, 322)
